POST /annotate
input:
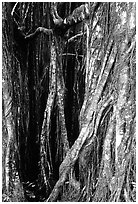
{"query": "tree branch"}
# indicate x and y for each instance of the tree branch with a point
(79, 14)
(13, 10)
(58, 21)
(71, 54)
(39, 30)
(76, 36)
(32, 35)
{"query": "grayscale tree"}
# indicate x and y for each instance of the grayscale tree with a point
(69, 101)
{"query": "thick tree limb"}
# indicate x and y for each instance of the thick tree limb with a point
(69, 161)
(79, 14)
(86, 130)
(47, 114)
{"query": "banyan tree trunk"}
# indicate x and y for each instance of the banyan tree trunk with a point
(71, 97)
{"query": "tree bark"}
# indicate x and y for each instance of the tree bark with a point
(69, 90)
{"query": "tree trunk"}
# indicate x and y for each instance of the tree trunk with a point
(70, 90)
